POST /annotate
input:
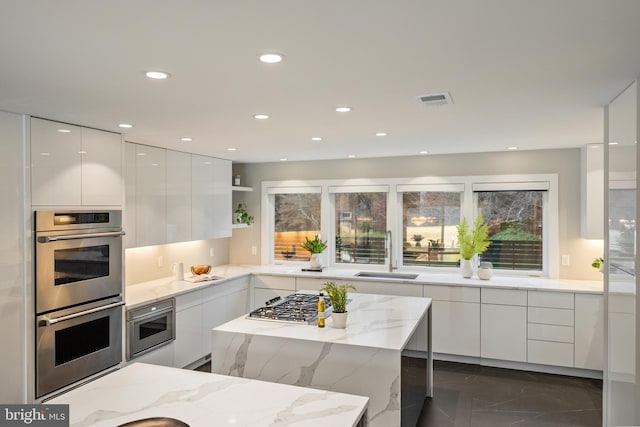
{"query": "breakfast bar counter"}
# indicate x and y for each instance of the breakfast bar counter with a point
(364, 359)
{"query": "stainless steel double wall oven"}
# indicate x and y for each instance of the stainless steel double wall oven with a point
(78, 295)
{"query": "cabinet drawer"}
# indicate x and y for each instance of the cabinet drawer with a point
(275, 282)
(504, 296)
(536, 331)
(551, 316)
(452, 293)
(551, 299)
(550, 353)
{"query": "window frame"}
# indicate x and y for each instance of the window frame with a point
(469, 209)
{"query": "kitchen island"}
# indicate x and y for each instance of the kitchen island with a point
(200, 399)
(365, 359)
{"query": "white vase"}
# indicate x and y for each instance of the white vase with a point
(466, 268)
(339, 320)
(315, 261)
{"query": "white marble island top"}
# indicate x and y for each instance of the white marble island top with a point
(201, 399)
(380, 321)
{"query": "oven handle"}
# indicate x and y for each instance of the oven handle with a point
(154, 313)
(47, 239)
(49, 322)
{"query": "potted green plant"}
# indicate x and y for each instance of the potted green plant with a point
(338, 296)
(315, 246)
(417, 238)
(242, 216)
(471, 243)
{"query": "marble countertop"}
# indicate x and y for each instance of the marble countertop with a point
(201, 399)
(147, 292)
(379, 321)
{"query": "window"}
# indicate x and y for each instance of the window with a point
(296, 216)
(515, 221)
(429, 220)
(360, 226)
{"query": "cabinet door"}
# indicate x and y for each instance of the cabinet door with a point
(188, 344)
(56, 173)
(178, 197)
(456, 328)
(101, 168)
(237, 304)
(589, 339)
(150, 196)
(130, 193)
(211, 198)
(214, 313)
(503, 332)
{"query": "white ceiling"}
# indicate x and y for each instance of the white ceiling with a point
(532, 74)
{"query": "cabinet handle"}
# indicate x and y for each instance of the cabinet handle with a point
(47, 239)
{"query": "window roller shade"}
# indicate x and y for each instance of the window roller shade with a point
(294, 190)
(511, 186)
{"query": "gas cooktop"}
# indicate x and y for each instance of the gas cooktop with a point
(301, 308)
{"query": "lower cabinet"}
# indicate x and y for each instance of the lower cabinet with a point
(200, 311)
(456, 328)
(589, 330)
(269, 287)
(504, 332)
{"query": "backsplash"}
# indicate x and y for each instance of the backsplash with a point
(141, 264)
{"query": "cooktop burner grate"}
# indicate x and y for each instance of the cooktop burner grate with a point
(301, 308)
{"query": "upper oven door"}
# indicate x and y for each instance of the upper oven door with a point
(77, 268)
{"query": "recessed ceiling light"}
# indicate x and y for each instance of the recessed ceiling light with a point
(125, 126)
(44, 154)
(154, 164)
(186, 139)
(82, 152)
(424, 152)
(351, 156)
(283, 159)
(512, 148)
(316, 138)
(142, 154)
(613, 143)
(261, 116)
(207, 163)
(64, 130)
(270, 58)
(157, 75)
(231, 149)
(381, 134)
(343, 109)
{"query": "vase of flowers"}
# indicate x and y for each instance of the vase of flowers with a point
(472, 243)
(315, 246)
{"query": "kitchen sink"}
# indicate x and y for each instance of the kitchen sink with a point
(382, 275)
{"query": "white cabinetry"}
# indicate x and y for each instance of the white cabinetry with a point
(178, 199)
(592, 191)
(188, 346)
(456, 319)
(589, 333)
(74, 166)
(150, 191)
(211, 197)
(175, 197)
(504, 324)
(200, 311)
(550, 328)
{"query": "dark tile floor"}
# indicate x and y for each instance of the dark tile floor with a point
(478, 396)
(481, 396)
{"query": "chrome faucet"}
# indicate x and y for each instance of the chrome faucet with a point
(389, 245)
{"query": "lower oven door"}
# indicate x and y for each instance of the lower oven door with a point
(150, 326)
(75, 344)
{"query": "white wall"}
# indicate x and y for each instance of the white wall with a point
(14, 291)
(141, 264)
(564, 162)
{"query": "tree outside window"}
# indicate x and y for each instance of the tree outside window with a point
(296, 216)
(515, 220)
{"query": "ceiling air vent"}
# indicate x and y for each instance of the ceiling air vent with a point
(434, 99)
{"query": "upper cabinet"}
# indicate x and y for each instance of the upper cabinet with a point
(592, 191)
(74, 166)
(175, 197)
(211, 197)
